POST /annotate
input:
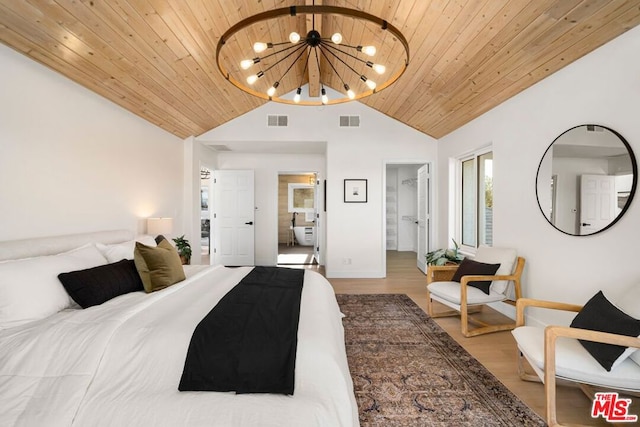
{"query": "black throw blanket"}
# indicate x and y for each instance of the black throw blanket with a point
(247, 343)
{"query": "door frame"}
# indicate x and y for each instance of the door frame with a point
(320, 212)
(432, 223)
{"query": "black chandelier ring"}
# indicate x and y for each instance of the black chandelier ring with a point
(313, 40)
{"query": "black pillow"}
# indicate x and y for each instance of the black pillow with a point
(598, 314)
(96, 285)
(469, 267)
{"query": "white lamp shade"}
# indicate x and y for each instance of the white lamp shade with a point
(157, 226)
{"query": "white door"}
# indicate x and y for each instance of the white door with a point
(424, 216)
(597, 202)
(233, 217)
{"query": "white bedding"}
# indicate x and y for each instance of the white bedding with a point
(119, 364)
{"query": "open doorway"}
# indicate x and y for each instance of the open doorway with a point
(297, 218)
(205, 215)
(407, 208)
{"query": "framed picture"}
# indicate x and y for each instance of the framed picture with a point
(355, 191)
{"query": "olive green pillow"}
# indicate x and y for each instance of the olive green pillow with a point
(159, 267)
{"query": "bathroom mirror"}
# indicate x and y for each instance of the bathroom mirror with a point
(586, 180)
(301, 198)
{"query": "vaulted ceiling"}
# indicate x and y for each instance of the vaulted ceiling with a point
(157, 58)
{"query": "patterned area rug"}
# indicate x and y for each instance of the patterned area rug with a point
(407, 371)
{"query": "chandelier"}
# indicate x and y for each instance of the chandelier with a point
(367, 56)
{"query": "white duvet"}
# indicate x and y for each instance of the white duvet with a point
(119, 364)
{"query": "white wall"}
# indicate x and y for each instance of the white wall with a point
(71, 161)
(355, 240)
(601, 88)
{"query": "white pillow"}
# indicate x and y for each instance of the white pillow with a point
(119, 251)
(30, 289)
(506, 257)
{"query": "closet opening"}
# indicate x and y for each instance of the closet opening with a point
(205, 214)
(407, 221)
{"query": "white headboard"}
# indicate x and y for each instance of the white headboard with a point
(16, 249)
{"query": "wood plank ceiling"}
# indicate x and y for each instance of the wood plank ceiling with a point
(156, 58)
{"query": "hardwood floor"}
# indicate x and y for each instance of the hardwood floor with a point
(497, 351)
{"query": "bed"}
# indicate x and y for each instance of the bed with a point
(119, 362)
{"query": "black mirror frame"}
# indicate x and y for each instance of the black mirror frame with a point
(634, 167)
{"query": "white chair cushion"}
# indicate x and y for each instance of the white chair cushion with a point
(450, 291)
(573, 362)
(506, 257)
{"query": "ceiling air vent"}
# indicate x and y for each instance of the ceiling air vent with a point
(350, 121)
(594, 128)
(277, 120)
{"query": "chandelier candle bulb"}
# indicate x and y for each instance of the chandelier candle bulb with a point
(272, 89)
(370, 83)
(351, 94)
(367, 50)
(296, 97)
(253, 78)
(294, 37)
(336, 38)
(247, 63)
(325, 98)
(380, 69)
(261, 47)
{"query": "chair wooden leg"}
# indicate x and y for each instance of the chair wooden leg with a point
(429, 305)
(432, 313)
(464, 321)
(490, 329)
(446, 313)
(550, 392)
(550, 378)
(522, 372)
(484, 328)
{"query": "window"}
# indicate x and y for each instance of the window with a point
(476, 199)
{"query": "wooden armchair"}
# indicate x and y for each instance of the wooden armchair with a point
(466, 300)
(554, 353)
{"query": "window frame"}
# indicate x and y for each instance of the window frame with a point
(457, 232)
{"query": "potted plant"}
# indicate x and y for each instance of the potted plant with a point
(445, 256)
(184, 249)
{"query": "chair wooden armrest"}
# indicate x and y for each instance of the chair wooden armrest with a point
(552, 332)
(523, 303)
(466, 279)
(440, 273)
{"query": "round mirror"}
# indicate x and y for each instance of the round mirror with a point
(586, 180)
